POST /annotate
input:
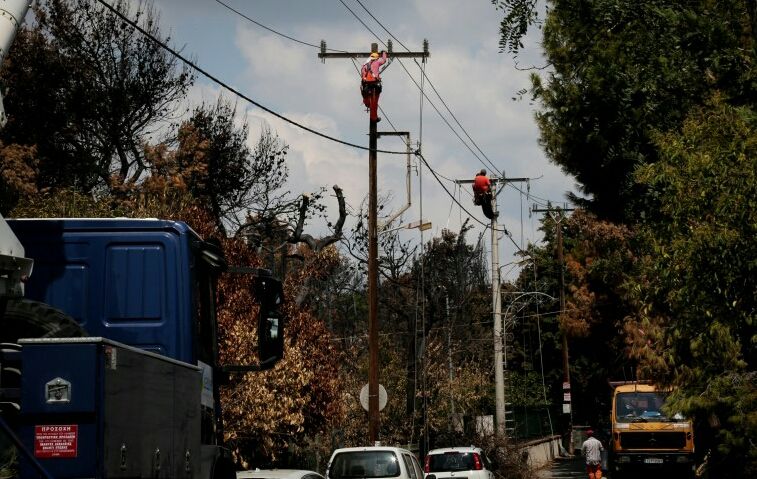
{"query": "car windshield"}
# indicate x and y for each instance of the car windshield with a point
(362, 464)
(641, 407)
(451, 461)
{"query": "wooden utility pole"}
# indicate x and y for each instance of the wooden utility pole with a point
(374, 419)
(567, 402)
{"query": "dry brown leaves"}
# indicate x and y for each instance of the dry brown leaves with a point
(18, 168)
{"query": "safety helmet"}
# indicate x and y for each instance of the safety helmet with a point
(374, 55)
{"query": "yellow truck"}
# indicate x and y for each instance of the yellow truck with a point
(645, 438)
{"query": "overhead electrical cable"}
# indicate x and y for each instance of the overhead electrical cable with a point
(229, 88)
(375, 35)
(438, 180)
(272, 30)
(488, 163)
(426, 78)
(538, 200)
(415, 82)
(296, 40)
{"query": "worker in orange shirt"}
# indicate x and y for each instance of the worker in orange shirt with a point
(482, 194)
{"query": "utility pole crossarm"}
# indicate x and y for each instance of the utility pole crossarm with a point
(323, 54)
(550, 210)
(356, 55)
(495, 180)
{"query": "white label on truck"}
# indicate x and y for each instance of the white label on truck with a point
(206, 395)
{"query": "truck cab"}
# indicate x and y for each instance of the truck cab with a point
(115, 348)
(141, 282)
(645, 437)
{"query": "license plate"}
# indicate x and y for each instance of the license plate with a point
(652, 460)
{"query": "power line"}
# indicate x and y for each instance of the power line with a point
(436, 176)
(443, 102)
(503, 230)
(296, 40)
(426, 78)
(415, 82)
(227, 87)
(271, 29)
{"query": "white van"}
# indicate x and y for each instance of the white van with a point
(373, 463)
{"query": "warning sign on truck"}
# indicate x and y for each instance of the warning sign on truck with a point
(55, 440)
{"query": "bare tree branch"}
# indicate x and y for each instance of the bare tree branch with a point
(319, 244)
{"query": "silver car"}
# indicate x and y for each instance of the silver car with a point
(278, 474)
(372, 463)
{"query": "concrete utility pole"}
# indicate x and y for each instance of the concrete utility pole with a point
(567, 403)
(499, 374)
(374, 419)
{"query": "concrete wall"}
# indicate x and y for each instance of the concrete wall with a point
(540, 452)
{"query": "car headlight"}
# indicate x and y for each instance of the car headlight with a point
(624, 459)
(682, 459)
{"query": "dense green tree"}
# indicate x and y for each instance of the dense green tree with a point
(698, 277)
(619, 70)
(598, 260)
(518, 17)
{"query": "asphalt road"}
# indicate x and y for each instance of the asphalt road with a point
(575, 468)
(564, 468)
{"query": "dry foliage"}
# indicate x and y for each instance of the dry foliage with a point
(269, 412)
(18, 172)
(599, 256)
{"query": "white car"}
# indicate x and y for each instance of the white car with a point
(278, 474)
(373, 462)
(458, 463)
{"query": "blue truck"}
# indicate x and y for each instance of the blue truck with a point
(109, 362)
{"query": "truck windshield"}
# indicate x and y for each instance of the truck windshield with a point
(640, 407)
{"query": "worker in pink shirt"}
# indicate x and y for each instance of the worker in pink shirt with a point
(370, 84)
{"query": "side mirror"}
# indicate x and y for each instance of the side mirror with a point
(270, 295)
